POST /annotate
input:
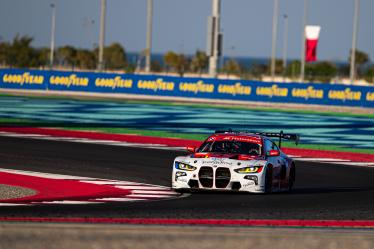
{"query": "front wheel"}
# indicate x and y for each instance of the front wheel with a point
(291, 178)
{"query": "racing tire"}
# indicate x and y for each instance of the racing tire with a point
(268, 180)
(291, 178)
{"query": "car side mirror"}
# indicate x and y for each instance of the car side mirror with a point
(191, 149)
(272, 153)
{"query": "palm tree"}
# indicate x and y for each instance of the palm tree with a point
(115, 56)
(199, 62)
(178, 62)
(21, 54)
(67, 55)
(231, 66)
(361, 58)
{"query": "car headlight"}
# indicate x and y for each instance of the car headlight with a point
(251, 169)
(183, 166)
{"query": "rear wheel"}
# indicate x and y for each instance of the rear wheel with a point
(268, 180)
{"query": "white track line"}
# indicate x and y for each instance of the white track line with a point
(44, 175)
(120, 199)
(4, 204)
(356, 163)
(104, 182)
(145, 196)
(67, 202)
(89, 141)
(321, 159)
(139, 145)
(144, 187)
(153, 192)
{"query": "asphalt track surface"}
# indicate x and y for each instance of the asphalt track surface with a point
(322, 191)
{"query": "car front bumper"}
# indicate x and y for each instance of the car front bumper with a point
(219, 179)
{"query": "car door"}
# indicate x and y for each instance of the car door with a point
(282, 162)
(275, 161)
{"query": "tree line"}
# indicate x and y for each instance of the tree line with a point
(21, 54)
(321, 71)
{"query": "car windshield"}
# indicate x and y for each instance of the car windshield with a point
(234, 147)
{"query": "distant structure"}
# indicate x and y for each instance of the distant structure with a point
(100, 65)
(214, 38)
(148, 49)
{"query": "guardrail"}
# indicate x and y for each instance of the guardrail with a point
(311, 93)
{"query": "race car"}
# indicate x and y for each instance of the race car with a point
(236, 161)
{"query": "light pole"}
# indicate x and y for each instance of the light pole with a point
(214, 38)
(100, 65)
(53, 30)
(285, 42)
(149, 36)
(354, 42)
(274, 38)
(305, 19)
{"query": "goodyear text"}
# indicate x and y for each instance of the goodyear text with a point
(156, 85)
(236, 89)
(274, 90)
(25, 78)
(307, 93)
(113, 83)
(346, 94)
(196, 87)
(71, 80)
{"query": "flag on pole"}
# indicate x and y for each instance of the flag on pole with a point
(311, 35)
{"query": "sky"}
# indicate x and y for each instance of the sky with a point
(181, 25)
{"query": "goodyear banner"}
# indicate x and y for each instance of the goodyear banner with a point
(315, 93)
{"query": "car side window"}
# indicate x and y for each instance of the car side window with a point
(274, 146)
(270, 145)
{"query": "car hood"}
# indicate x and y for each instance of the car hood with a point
(227, 155)
(227, 160)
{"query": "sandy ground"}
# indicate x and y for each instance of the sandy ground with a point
(10, 192)
(49, 235)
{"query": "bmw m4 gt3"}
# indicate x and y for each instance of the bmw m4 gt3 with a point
(236, 161)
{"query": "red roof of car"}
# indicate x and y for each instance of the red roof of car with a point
(244, 137)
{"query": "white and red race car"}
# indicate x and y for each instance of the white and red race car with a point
(236, 161)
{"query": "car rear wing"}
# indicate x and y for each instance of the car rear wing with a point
(280, 135)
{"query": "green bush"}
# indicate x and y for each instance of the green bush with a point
(369, 75)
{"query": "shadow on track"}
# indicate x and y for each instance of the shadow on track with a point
(296, 191)
(328, 190)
